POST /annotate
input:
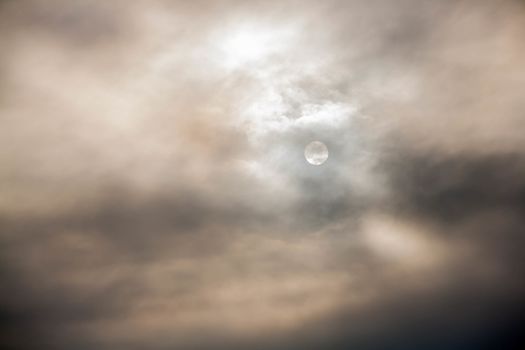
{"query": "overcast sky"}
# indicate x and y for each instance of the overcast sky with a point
(154, 192)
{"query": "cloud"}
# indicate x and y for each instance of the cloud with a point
(155, 193)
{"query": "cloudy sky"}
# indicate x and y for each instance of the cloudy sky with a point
(154, 192)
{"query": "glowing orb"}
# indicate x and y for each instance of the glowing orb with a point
(316, 153)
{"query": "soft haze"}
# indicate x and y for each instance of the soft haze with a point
(154, 191)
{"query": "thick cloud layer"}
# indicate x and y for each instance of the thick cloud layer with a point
(154, 192)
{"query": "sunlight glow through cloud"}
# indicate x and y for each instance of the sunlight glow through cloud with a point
(252, 43)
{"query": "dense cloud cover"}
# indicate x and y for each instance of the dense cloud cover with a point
(154, 192)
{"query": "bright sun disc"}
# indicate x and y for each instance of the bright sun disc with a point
(316, 153)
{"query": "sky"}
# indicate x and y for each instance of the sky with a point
(154, 192)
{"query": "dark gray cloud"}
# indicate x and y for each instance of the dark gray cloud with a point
(154, 192)
(453, 188)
